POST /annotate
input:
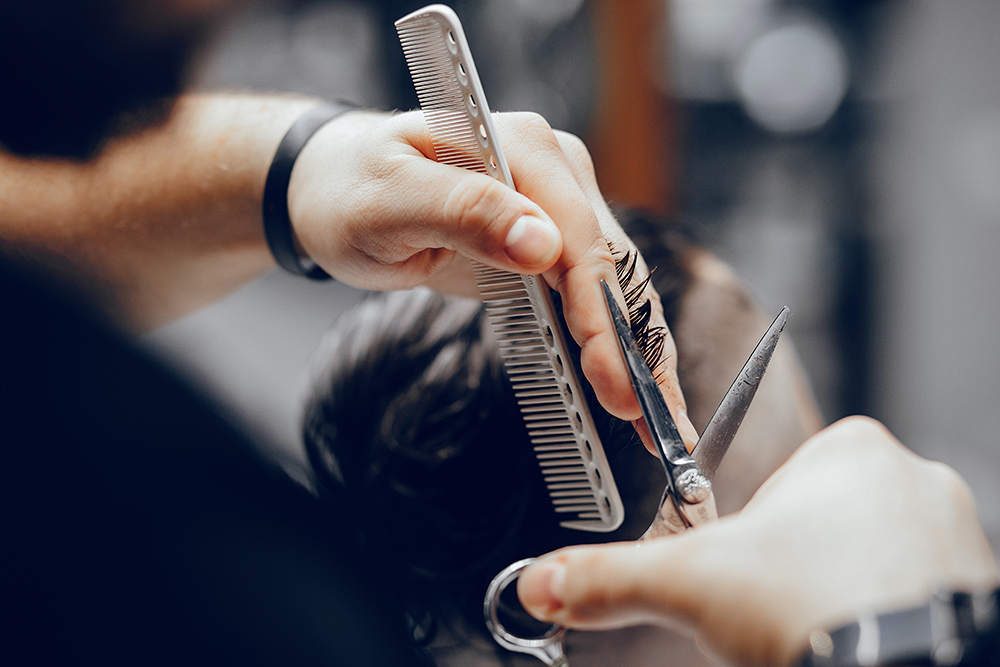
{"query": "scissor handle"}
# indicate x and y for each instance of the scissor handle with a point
(548, 647)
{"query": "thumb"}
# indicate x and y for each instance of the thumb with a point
(611, 586)
(488, 221)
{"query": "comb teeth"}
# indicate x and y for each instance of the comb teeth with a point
(564, 438)
(519, 308)
(439, 78)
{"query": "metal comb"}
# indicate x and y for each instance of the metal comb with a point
(520, 308)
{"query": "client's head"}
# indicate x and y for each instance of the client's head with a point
(413, 429)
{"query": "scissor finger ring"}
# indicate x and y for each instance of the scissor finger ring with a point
(548, 647)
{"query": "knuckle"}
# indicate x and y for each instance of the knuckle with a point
(857, 435)
(861, 426)
(865, 431)
(535, 130)
(532, 121)
(573, 147)
(955, 488)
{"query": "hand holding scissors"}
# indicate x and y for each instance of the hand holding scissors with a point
(687, 501)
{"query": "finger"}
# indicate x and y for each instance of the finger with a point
(372, 208)
(610, 586)
(479, 216)
(691, 580)
(542, 173)
(475, 215)
(654, 337)
(622, 248)
(415, 233)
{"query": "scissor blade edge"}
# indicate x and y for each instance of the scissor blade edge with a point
(722, 428)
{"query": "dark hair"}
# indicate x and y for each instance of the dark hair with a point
(413, 429)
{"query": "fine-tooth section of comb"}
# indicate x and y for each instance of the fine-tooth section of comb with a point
(520, 308)
(449, 91)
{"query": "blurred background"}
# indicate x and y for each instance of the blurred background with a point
(843, 156)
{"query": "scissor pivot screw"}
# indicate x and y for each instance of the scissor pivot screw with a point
(693, 486)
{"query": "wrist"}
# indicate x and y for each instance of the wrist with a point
(323, 191)
(281, 238)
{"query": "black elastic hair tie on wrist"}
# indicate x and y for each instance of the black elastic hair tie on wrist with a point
(277, 223)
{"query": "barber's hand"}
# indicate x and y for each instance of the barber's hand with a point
(370, 205)
(854, 522)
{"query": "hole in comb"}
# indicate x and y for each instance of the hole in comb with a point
(472, 101)
(598, 482)
(482, 134)
(548, 335)
(493, 163)
(451, 37)
(607, 504)
(569, 394)
(588, 451)
(559, 365)
(579, 419)
(461, 69)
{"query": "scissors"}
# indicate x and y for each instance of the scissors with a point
(688, 500)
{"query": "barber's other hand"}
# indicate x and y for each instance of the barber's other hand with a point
(372, 207)
(854, 522)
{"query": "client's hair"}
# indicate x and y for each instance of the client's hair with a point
(414, 430)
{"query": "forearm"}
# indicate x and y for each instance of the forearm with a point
(162, 222)
(169, 220)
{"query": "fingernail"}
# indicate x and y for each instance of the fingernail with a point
(542, 588)
(531, 241)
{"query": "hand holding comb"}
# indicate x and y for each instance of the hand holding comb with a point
(520, 308)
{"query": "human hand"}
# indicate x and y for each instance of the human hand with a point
(370, 205)
(854, 522)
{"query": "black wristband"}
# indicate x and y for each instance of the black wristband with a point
(950, 629)
(277, 223)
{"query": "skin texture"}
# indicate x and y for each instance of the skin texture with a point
(168, 220)
(397, 236)
(375, 352)
(854, 522)
(160, 223)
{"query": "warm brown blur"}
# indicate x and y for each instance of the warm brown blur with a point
(633, 141)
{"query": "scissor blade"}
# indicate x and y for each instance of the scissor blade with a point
(721, 430)
(662, 428)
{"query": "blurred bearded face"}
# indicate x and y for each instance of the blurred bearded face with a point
(76, 72)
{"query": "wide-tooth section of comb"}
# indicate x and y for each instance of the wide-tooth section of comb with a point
(552, 403)
(520, 308)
